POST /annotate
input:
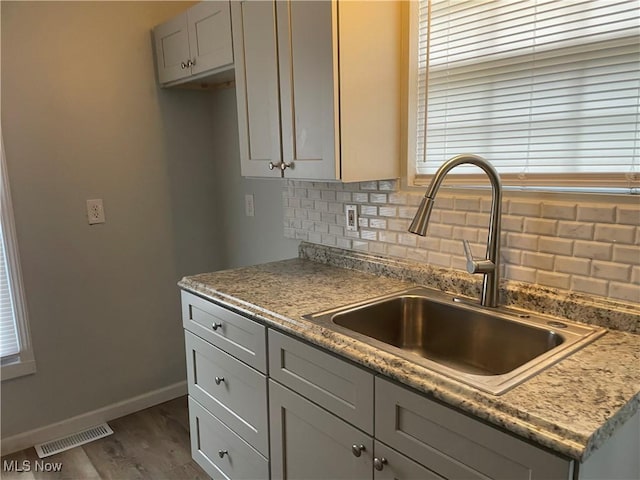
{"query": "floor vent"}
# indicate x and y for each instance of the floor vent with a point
(75, 440)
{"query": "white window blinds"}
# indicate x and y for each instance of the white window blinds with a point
(8, 333)
(546, 90)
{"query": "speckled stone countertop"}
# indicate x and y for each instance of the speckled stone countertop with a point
(572, 407)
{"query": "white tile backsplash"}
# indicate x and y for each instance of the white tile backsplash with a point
(585, 247)
(589, 285)
(596, 250)
(554, 279)
(624, 291)
(596, 213)
(559, 211)
(628, 215)
(558, 246)
(611, 271)
(615, 233)
(578, 266)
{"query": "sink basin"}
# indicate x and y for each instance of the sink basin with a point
(490, 349)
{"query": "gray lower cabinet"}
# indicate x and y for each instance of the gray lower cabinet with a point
(455, 445)
(227, 383)
(312, 415)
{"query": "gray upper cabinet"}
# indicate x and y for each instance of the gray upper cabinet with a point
(318, 88)
(195, 44)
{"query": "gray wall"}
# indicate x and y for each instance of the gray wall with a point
(82, 117)
(246, 240)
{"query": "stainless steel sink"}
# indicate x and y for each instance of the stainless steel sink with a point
(493, 349)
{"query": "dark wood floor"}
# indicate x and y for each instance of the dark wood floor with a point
(150, 444)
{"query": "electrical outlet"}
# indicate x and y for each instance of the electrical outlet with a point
(351, 217)
(249, 205)
(95, 211)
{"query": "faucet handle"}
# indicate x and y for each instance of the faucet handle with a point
(476, 266)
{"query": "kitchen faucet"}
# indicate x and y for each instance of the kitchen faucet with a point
(490, 266)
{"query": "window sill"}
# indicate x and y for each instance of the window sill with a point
(17, 367)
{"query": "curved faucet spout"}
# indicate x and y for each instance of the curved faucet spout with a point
(490, 266)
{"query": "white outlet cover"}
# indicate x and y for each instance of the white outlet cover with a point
(95, 211)
(351, 217)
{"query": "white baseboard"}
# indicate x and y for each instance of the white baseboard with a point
(90, 419)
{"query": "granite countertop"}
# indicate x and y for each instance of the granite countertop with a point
(571, 407)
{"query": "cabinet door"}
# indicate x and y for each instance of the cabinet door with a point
(370, 86)
(307, 442)
(398, 467)
(308, 52)
(257, 87)
(172, 49)
(209, 25)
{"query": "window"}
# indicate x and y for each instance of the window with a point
(548, 91)
(15, 346)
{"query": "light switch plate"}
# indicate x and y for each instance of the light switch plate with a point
(249, 205)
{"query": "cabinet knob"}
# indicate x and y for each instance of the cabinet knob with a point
(191, 63)
(379, 463)
(216, 326)
(357, 449)
(183, 65)
(281, 165)
(219, 380)
(222, 453)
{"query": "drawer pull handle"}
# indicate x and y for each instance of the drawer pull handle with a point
(379, 463)
(216, 326)
(219, 380)
(222, 453)
(357, 449)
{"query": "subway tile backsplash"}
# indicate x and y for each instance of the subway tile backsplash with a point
(572, 246)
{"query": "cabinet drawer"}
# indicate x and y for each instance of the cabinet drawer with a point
(454, 445)
(234, 392)
(340, 387)
(210, 437)
(237, 335)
